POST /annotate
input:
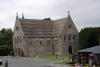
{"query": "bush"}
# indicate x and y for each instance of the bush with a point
(5, 50)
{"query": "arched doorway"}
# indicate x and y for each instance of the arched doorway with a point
(70, 49)
(18, 51)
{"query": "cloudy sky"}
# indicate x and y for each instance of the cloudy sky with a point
(85, 13)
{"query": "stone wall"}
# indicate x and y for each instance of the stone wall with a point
(52, 37)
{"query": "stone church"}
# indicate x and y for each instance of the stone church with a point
(44, 36)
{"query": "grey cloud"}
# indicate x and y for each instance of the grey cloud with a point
(84, 12)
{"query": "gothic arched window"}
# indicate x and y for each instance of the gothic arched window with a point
(69, 37)
(17, 28)
(74, 37)
(17, 39)
(30, 42)
(48, 42)
(40, 42)
(20, 39)
(65, 37)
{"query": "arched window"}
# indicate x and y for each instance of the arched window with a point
(69, 37)
(30, 42)
(17, 28)
(17, 39)
(74, 37)
(48, 42)
(20, 38)
(40, 42)
(65, 37)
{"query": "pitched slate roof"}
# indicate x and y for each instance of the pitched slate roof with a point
(37, 28)
(59, 26)
(95, 49)
(42, 28)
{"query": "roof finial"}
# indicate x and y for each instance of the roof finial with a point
(22, 15)
(16, 14)
(68, 12)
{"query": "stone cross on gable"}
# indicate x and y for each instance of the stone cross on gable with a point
(17, 14)
(68, 12)
(22, 15)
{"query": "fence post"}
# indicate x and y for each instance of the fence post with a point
(6, 63)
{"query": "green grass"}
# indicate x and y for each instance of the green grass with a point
(50, 57)
(64, 63)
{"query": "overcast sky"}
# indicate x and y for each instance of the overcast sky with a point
(85, 13)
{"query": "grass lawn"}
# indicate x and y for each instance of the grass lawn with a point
(50, 57)
(64, 63)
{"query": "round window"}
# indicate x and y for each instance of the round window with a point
(69, 26)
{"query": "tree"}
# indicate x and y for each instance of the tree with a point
(6, 45)
(89, 37)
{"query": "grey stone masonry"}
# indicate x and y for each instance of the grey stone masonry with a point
(44, 36)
